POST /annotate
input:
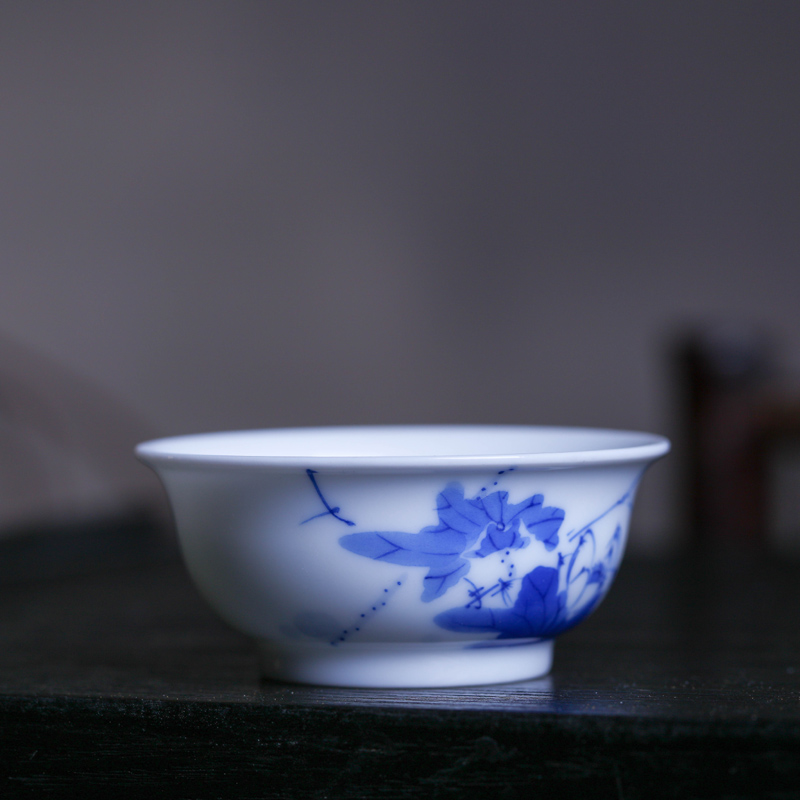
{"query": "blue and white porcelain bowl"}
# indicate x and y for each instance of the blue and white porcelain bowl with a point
(404, 556)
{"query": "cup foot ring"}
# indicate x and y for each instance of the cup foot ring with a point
(406, 666)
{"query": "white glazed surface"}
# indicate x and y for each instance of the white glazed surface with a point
(424, 556)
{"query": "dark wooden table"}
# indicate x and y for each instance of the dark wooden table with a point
(116, 681)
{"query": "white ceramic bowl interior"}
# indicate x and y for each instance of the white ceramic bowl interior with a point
(404, 556)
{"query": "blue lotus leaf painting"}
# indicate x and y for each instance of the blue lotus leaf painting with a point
(548, 599)
(538, 611)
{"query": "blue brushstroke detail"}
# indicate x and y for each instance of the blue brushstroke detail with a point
(437, 583)
(407, 549)
(550, 599)
(438, 547)
(626, 498)
(543, 521)
(462, 521)
(539, 611)
(477, 593)
(332, 510)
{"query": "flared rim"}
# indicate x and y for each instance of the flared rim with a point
(404, 447)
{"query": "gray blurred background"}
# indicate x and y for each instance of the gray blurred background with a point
(254, 214)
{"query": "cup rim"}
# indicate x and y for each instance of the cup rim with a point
(602, 446)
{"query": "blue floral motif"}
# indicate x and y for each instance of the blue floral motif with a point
(549, 599)
(486, 527)
(489, 521)
(538, 611)
(541, 609)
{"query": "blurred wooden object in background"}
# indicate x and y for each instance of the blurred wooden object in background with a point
(738, 411)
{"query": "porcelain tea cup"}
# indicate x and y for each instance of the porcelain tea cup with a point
(404, 556)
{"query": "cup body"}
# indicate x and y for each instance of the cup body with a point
(404, 556)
